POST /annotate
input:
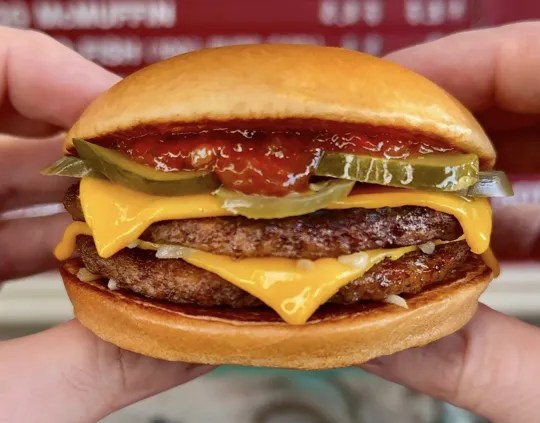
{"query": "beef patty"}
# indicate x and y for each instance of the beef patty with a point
(325, 233)
(178, 281)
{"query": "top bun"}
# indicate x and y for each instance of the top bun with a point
(268, 81)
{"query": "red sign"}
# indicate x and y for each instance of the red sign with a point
(126, 34)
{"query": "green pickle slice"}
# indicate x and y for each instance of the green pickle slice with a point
(493, 183)
(441, 172)
(318, 197)
(70, 166)
(458, 173)
(119, 168)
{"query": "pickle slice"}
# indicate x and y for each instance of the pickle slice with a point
(493, 183)
(441, 172)
(70, 166)
(121, 169)
(318, 197)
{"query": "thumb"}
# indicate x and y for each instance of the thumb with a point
(67, 374)
(490, 367)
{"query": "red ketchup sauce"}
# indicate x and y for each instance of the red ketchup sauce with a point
(266, 162)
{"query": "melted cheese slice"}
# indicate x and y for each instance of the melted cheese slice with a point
(118, 216)
(473, 214)
(67, 245)
(293, 291)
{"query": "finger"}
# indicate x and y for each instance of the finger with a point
(490, 368)
(499, 120)
(66, 374)
(21, 161)
(488, 68)
(27, 245)
(516, 232)
(12, 122)
(44, 81)
(518, 151)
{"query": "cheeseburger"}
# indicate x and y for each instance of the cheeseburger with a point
(276, 205)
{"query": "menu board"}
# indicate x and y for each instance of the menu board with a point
(124, 35)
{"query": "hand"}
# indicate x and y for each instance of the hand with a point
(491, 366)
(65, 374)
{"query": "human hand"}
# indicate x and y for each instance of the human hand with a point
(65, 374)
(491, 366)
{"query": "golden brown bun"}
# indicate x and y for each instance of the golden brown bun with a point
(152, 329)
(283, 82)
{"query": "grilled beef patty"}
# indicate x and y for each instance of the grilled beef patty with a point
(178, 281)
(325, 233)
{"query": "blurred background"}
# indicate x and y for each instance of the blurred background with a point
(126, 35)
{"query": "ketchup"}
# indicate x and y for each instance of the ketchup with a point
(273, 163)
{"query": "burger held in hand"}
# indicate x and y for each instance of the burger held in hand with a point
(276, 205)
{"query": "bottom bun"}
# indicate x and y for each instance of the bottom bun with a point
(337, 336)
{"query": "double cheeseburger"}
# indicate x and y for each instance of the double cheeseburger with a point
(276, 205)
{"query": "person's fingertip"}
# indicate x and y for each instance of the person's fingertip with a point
(478, 66)
(63, 87)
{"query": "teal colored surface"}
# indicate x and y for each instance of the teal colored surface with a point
(318, 382)
(262, 371)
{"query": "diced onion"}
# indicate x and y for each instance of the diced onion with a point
(357, 260)
(428, 247)
(304, 264)
(133, 244)
(396, 300)
(172, 252)
(112, 285)
(85, 275)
